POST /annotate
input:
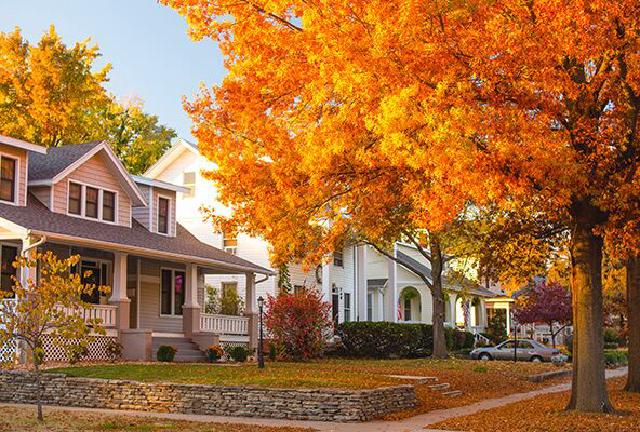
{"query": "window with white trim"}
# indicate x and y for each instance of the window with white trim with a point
(347, 307)
(230, 242)
(92, 202)
(163, 215)
(8, 256)
(338, 259)
(172, 291)
(8, 179)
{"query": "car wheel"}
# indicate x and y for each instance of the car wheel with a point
(537, 359)
(484, 357)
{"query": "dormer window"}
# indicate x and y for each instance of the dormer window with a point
(163, 215)
(92, 202)
(7, 179)
(109, 206)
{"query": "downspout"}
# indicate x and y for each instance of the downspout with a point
(40, 242)
(266, 278)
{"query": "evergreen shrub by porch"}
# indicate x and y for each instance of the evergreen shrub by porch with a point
(458, 340)
(166, 353)
(215, 353)
(238, 353)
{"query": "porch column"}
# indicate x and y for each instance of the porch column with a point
(391, 297)
(250, 306)
(361, 282)
(191, 308)
(482, 314)
(453, 300)
(119, 291)
(326, 279)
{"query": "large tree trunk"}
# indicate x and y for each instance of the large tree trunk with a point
(633, 323)
(588, 392)
(439, 341)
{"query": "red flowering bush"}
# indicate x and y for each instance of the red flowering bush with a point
(298, 323)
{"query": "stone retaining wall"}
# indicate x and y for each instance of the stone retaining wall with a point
(299, 404)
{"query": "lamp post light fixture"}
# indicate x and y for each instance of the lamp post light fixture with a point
(260, 335)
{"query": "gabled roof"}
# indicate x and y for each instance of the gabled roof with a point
(48, 169)
(141, 180)
(15, 142)
(177, 147)
(36, 218)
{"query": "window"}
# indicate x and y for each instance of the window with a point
(163, 215)
(189, 180)
(91, 202)
(109, 206)
(298, 289)
(75, 198)
(407, 309)
(370, 307)
(172, 291)
(347, 307)
(525, 345)
(9, 254)
(338, 259)
(8, 179)
(230, 242)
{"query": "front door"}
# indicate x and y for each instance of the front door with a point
(91, 273)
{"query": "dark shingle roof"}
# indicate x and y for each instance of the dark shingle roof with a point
(412, 263)
(37, 217)
(56, 160)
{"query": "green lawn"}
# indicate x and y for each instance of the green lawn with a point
(346, 374)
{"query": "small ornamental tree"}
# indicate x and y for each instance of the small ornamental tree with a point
(50, 305)
(545, 303)
(298, 323)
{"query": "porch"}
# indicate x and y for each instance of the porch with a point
(152, 298)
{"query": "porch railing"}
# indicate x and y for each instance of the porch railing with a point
(106, 313)
(224, 324)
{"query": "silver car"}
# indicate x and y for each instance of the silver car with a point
(527, 350)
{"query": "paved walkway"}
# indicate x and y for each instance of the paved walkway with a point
(413, 424)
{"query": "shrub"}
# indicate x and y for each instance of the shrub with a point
(497, 329)
(238, 353)
(166, 353)
(386, 339)
(611, 335)
(615, 358)
(273, 352)
(114, 350)
(76, 352)
(458, 340)
(215, 353)
(297, 323)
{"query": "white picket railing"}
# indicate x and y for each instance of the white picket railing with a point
(224, 324)
(106, 313)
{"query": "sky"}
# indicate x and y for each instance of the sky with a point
(152, 56)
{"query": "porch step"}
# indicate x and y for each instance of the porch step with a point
(187, 350)
(415, 379)
(453, 393)
(442, 386)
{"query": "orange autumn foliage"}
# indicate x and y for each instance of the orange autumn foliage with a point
(379, 116)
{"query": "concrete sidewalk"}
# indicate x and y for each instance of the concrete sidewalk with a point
(413, 424)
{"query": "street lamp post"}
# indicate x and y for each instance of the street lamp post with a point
(260, 335)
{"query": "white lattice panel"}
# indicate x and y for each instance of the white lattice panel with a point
(97, 349)
(7, 352)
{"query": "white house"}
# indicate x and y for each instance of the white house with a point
(361, 284)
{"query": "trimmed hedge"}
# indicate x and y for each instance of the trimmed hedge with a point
(386, 339)
(616, 358)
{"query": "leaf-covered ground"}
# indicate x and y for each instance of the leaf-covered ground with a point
(477, 380)
(546, 414)
(13, 419)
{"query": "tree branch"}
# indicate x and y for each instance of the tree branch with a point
(422, 276)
